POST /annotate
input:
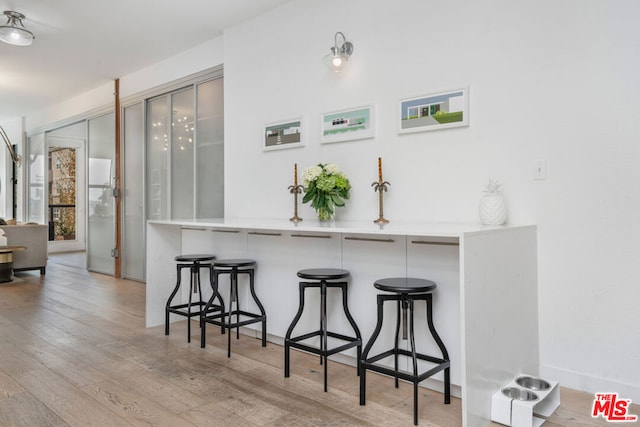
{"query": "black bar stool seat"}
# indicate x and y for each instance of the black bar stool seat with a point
(223, 318)
(195, 258)
(194, 263)
(323, 274)
(235, 263)
(323, 278)
(405, 291)
(405, 285)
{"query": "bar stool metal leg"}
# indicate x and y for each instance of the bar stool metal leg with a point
(287, 337)
(233, 297)
(324, 344)
(234, 285)
(443, 349)
(173, 294)
(367, 348)
(208, 308)
(353, 324)
(252, 289)
(216, 274)
(414, 358)
(194, 280)
(396, 352)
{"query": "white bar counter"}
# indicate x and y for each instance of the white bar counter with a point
(485, 307)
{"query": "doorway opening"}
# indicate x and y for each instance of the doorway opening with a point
(62, 193)
(66, 190)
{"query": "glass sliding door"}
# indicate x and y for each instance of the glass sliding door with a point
(101, 219)
(158, 145)
(178, 138)
(35, 163)
(182, 150)
(209, 188)
(133, 231)
(70, 181)
(185, 153)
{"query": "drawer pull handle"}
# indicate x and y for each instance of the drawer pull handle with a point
(216, 230)
(312, 236)
(260, 233)
(367, 239)
(193, 228)
(425, 242)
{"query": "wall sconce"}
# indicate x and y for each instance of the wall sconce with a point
(13, 32)
(340, 53)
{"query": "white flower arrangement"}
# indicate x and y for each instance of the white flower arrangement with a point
(326, 187)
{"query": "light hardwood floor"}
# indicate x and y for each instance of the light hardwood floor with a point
(74, 352)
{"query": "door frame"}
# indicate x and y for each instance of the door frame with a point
(79, 244)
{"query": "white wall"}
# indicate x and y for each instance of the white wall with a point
(77, 106)
(198, 58)
(201, 57)
(548, 80)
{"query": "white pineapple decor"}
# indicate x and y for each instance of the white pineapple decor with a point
(493, 208)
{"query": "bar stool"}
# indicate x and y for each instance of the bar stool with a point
(193, 263)
(405, 291)
(232, 267)
(323, 278)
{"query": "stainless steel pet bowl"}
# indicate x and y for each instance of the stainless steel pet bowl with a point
(519, 394)
(533, 383)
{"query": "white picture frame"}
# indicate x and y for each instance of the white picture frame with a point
(348, 124)
(283, 134)
(434, 111)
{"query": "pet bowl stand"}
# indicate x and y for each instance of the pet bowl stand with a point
(516, 403)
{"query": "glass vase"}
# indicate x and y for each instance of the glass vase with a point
(324, 215)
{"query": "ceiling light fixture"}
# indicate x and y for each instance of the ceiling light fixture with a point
(340, 53)
(13, 32)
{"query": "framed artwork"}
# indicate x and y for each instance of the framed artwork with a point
(348, 125)
(285, 134)
(440, 110)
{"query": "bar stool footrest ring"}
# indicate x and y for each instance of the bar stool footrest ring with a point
(255, 318)
(405, 375)
(370, 364)
(352, 342)
(180, 309)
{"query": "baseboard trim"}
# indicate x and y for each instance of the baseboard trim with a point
(589, 383)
